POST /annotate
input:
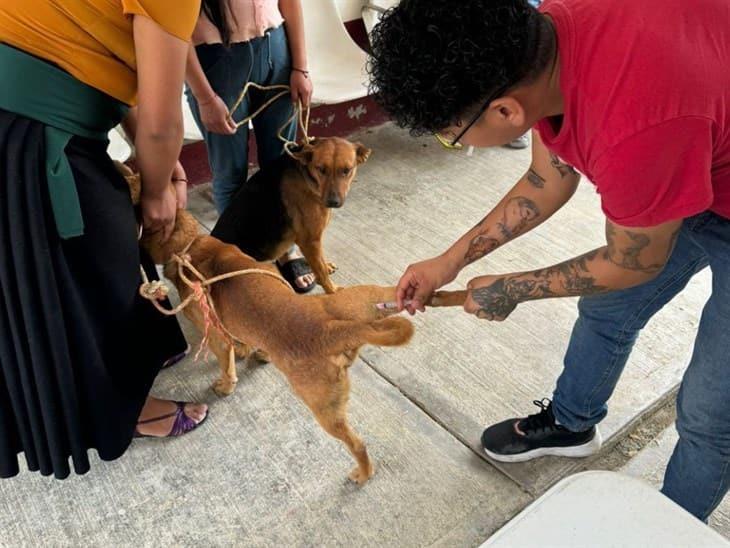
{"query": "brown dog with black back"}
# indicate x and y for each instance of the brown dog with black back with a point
(290, 200)
(311, 340)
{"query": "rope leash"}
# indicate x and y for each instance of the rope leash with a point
(300, 113)
(200, 293)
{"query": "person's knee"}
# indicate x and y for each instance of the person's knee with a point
(703, 425)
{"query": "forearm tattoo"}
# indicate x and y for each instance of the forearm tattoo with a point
(563, 168)
(518, 213)
(479, 247)
(535, 179)
(570, 278)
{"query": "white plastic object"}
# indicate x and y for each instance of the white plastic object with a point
(119, 149)
(190, 131)
(336, 63)
(604, 509)
(373, 10)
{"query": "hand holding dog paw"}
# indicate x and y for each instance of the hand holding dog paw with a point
(490, 298)
(419, 282)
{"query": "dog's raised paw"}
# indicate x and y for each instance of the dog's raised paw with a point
(331, 268)
(223, 387)
(359, 476)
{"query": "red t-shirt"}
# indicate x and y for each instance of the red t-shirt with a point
(646, 95)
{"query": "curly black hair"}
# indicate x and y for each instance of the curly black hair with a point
(435, 61)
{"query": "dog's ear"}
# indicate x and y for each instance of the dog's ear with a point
(305, 154)
(362, 152)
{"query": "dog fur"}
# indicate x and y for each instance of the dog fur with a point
(290, 201)
(312, 340)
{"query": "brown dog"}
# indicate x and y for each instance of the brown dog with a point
(311, 340)
(290, 201)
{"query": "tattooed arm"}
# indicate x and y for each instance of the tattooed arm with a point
(546, 187)
(543, 190)
(630, 257)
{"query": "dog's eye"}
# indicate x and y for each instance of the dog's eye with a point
(322, 170)
(346, 171)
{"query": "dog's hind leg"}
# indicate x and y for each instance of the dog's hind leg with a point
(327, 398)
(226, 355)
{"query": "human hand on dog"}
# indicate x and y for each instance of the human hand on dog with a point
(491, 298)
(158, 212)
(215, 116)
(420, 280)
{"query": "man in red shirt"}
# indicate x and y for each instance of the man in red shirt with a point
(636, 96)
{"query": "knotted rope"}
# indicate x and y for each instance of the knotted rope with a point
(200, 293)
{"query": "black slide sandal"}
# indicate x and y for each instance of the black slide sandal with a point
(296, 268)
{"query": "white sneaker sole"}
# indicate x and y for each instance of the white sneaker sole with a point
(575, 451)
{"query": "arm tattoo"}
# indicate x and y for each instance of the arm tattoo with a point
(535, 179)
(495, 301)
(570, 278)
(518, 213)
(627, 254)
(479, 247)
(563, 168)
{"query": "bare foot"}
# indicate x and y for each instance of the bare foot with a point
(155, 407)
(301, 281)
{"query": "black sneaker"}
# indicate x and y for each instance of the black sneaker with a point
(519, 440)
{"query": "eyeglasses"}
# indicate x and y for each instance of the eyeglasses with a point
(454, 143)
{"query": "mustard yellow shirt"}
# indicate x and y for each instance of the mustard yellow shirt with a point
(92, 39)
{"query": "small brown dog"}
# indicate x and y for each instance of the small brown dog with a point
(290, 201)
(311, 340)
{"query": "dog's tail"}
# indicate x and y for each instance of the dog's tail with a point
(349, 335)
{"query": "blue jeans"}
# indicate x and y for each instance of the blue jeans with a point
(698, 474)
(266, 61)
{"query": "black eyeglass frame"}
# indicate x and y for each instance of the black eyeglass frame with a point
(496, 95)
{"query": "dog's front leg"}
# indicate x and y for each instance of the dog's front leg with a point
(312, 250)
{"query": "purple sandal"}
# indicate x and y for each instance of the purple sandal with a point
(182, 425)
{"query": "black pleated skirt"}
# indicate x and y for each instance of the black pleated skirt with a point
(79, 348)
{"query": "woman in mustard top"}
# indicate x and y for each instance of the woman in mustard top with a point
(79, 349)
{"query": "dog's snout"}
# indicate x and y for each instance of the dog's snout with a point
(334, 201)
